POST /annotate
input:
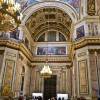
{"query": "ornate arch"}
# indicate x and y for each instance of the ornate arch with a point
(63, 6)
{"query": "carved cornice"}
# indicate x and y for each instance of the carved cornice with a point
(36, 59)
(89, 19)
(87, 41)
(92, 51)
(16, 45)
(25, 51)
(54, 59)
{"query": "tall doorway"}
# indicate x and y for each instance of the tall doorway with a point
(49, 87)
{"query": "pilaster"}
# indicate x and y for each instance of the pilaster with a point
(8, 70)
(83, 74)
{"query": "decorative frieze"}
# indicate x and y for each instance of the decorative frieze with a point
(52, 58)
(86, 41)
(81, 54)
(10, 54)
(17, 46)
(93, 29)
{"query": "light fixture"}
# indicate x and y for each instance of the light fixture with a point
(10, 15)
(46, 71)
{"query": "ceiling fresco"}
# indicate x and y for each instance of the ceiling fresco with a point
(26, 3)
(74, 3)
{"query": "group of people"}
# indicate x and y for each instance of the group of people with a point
(30, 98)
(37, 98)
(21, 97)
(59, 98)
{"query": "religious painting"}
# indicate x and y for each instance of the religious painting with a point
(51, 51)
(74, 3)
(91, 7)
(83, 77)
(15, 33)
(8, 74)
(27, 3)
(80, 32)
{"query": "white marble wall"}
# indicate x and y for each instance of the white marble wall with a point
(63, 79)
(9, 55)
(83, 87)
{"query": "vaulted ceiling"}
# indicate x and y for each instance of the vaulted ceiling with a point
(49, 18)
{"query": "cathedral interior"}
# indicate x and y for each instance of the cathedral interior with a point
(54, 50)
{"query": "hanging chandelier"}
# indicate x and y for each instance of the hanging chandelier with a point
(46, 71)
(10, 16)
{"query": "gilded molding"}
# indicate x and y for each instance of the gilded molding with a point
(55, 59)
(38, 21)
(86, 41)
(77, 44)
(21, 47)
(18, 46)
(25, 51)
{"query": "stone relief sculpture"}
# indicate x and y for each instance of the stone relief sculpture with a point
(93, 29)
(91, 7)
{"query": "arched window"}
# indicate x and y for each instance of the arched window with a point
(51, 36)
(61, 37)
(42, 38)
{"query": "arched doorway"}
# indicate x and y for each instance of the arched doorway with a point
(50, 85)
(43, 22)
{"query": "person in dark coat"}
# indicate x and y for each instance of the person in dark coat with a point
(59, 98)
(21, 98)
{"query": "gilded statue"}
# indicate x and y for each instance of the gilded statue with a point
(91, 7)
